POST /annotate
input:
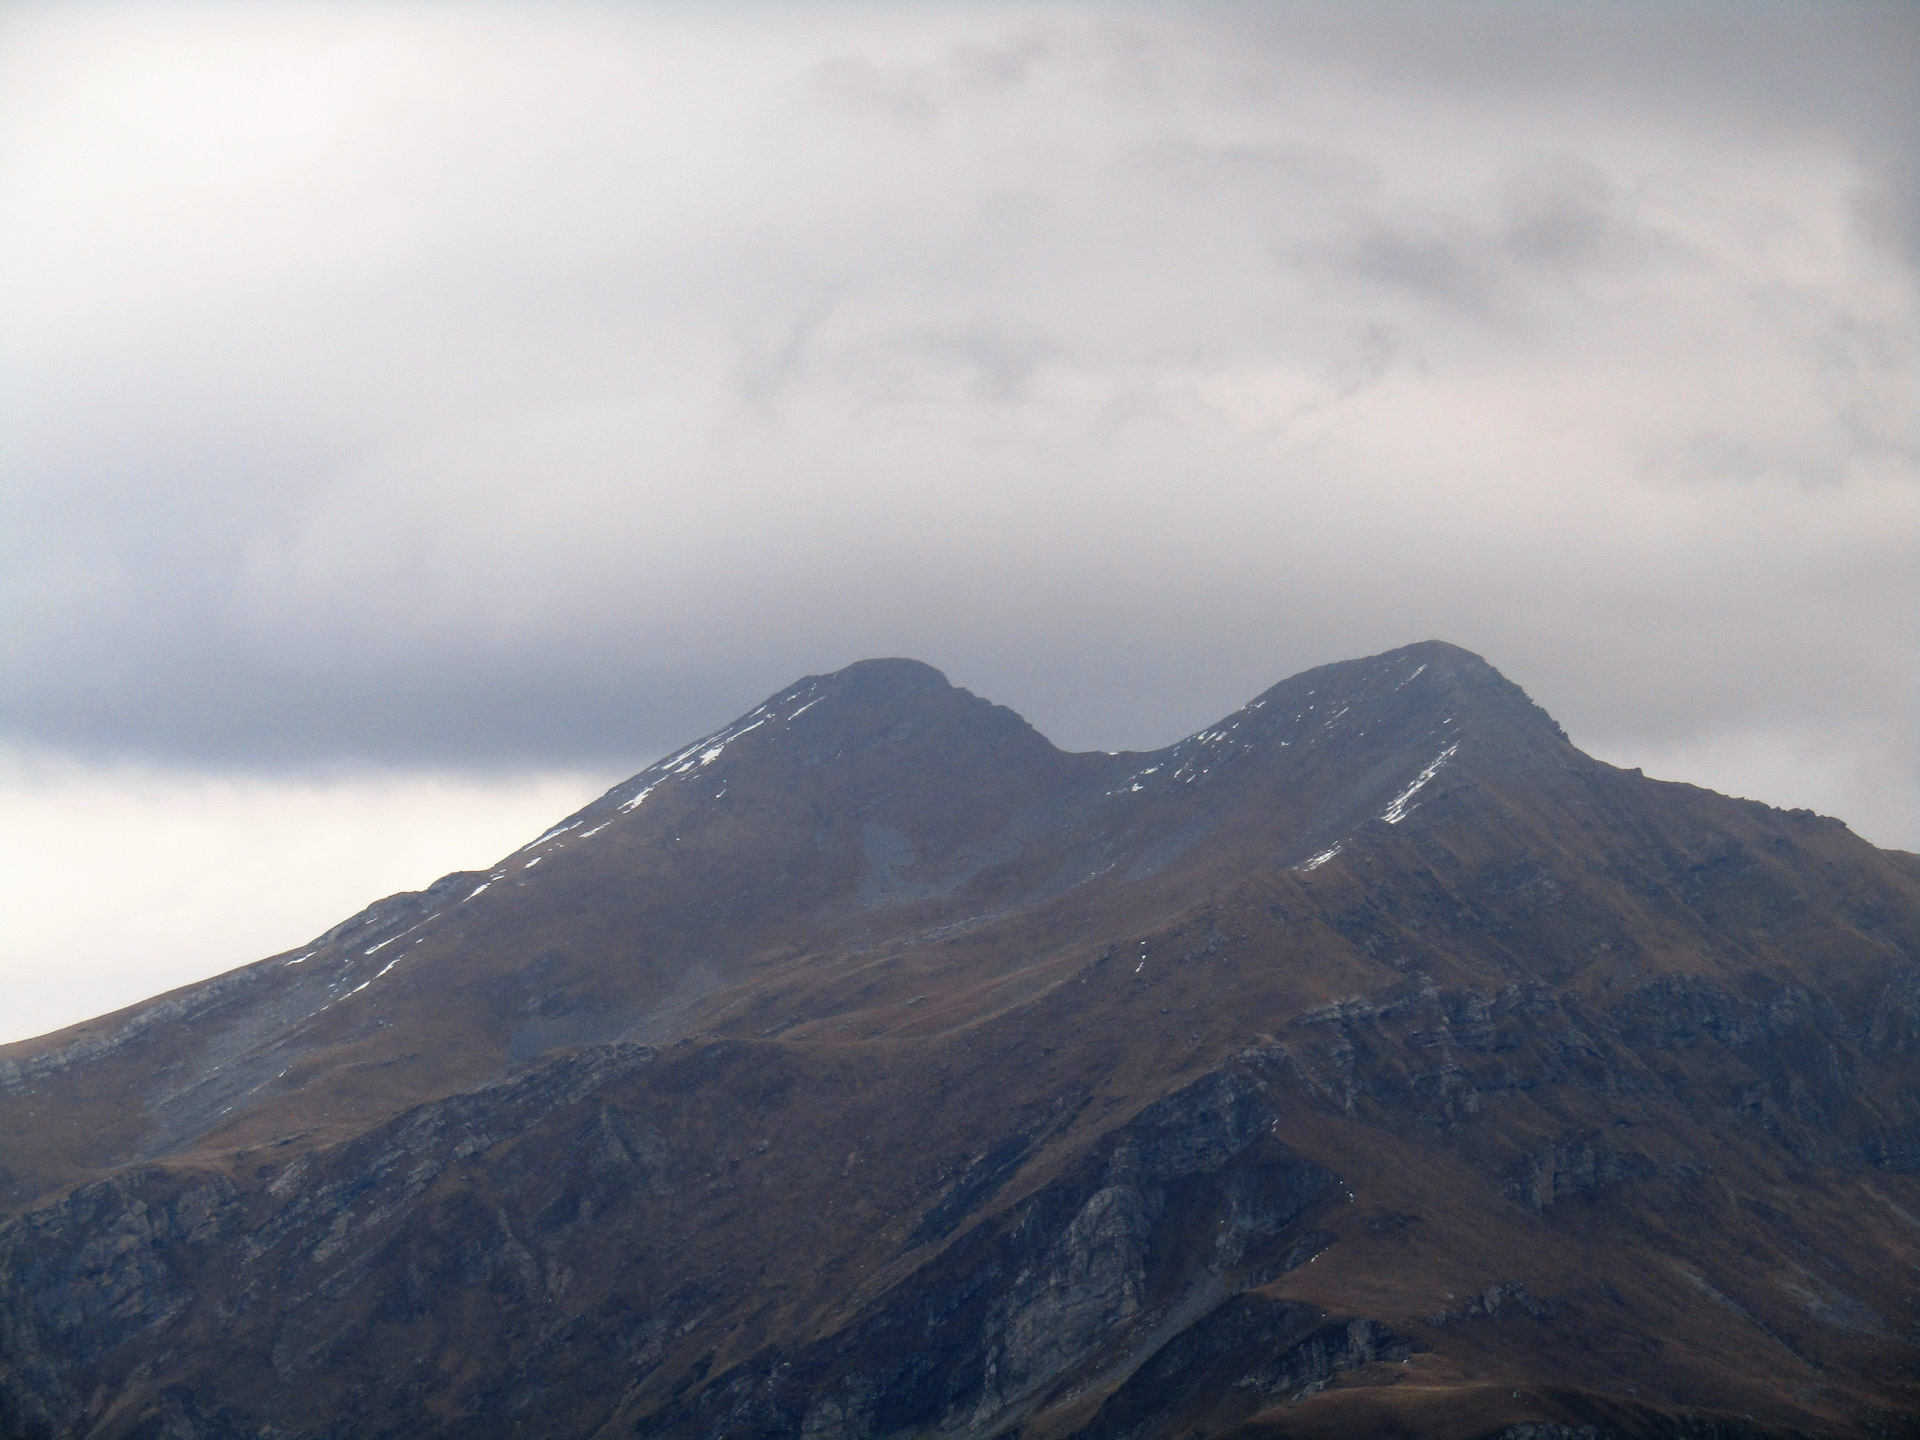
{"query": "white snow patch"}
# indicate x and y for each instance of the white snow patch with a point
(803, 710)
(533, 862)
(411, 928)
(589, 834)
(483, 885)
(298, 958)
(1397, 811)
(708, 756)
(557, 830)
(1410, 679)
(1318, 860)
(632, 804)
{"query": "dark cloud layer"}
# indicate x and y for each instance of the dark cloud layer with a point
(514, 389)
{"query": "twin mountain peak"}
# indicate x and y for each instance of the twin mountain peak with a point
(873, 807)
(1372, 1061)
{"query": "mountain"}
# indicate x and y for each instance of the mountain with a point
(1370, 1063)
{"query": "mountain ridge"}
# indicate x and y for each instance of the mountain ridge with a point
(1370, 1061)
(870, 676)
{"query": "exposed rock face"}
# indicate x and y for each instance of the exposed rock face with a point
(1226, 1366)
(1026, 1299)
(109, 1264)
(1371, 1062)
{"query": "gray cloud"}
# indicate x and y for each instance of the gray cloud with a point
(531, 388)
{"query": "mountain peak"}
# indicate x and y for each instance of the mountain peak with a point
(1454, 679)
(874, 1015)
(887, 675)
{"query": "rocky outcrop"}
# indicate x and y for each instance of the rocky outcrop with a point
(1782, 1061)
(112, 1268)
(1250, 1352)
(1149, 1231)
(112, 1263)
(1572, 1166)
(1166, 1219)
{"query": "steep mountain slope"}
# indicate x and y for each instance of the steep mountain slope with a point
(1371, 1062)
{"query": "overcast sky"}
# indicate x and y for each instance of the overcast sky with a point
(414, 418)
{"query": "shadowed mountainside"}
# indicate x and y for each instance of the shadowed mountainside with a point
(1371, 1062)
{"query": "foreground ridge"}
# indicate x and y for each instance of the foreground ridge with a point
(1369, 1062)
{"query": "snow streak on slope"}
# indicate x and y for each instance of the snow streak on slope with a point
(1397, 811)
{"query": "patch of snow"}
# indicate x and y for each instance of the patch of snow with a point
(557, 830)
(632, 804)
(708, 756)
(533, 862)
(483, 885)
(1318, 860)
(598, 828)
(802, 710)
(411, 928)
(1410, 679)
(298, 958)
(1397, 811)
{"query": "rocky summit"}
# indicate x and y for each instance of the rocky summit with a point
(1370, 1063)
